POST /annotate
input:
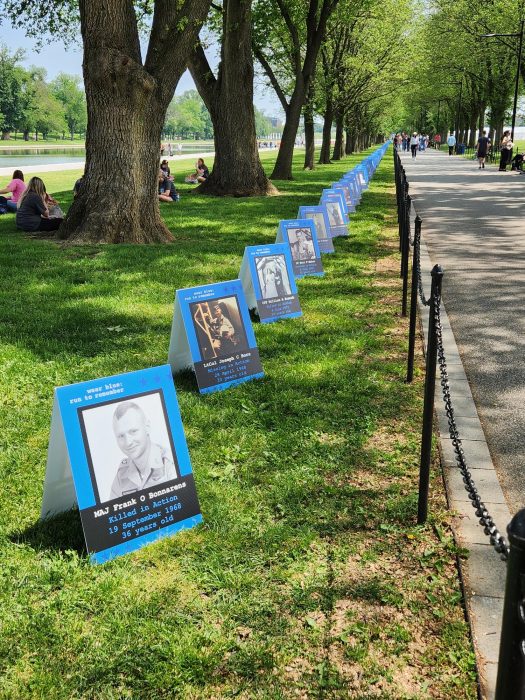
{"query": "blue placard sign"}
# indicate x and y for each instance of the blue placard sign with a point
(212, 333)
(341, 195)
(301, 236)
(118, 450)
(268, 281)
(346, 191)
(319, 216)
(336, 215)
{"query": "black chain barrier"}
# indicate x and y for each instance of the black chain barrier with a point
(510, 684)
(496, 538)
(435, 347)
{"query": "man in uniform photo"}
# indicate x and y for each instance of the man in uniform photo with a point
(146, 464)
(222, 331)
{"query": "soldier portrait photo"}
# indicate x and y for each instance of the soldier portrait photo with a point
(273, 276)
(129, 446)
(320, 226)
(334, 214)
(219, 327)
(301, 244)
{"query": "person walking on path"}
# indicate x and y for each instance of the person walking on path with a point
(414, 144)
(437, 141)
(482, 147)
(451, 142)
(505, 147)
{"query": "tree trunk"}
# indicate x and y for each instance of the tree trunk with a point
(283, 165)
(339, 134)
(348, 142)
(481, 117)
(127, 102)
(237, 169)
(472, 126)
(26, 134)
(324, 156)
(309, 133)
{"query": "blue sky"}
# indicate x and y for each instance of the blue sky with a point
(56, 58)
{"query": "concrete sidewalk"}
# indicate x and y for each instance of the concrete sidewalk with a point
(471, 225)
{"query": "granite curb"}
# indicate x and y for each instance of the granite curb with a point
(482, 571)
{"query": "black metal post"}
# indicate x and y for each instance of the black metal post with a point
(397, 175)
(428, 407)
(405, 250)
(413, 301)
(402, 216)
(510, 684)
(516, 87)
(458, 117)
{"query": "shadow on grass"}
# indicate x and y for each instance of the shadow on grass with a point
(57, 534)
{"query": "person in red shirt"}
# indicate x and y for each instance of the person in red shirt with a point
(437, 141)
(16, 188)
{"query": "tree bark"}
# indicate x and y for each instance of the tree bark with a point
(237, 169)
(309, 133)
(472, 128)
(328, 116)
(481, 117)
(283, 165)
(339, 135)
(348, 142)
(127, 102)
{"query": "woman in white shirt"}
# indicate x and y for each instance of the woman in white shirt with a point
(414, 143)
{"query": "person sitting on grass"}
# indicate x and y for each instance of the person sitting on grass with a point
(165, 168)
(33, 209)
(167, 190)
(77, 186)
(16, 187)
(201, 173)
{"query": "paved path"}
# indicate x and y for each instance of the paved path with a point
(474, 226)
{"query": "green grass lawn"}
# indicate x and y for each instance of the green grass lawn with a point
(308, 578)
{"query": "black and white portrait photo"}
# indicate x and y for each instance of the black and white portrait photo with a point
(129, 445)
(334, 214)
(320, 226)
(301, 244)
(273, 276)
(219, 327)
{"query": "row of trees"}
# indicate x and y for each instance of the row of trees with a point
(336, 58)
(30, 104)
(464, 79)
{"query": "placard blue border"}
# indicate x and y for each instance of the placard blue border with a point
(260, 251)
(317, 208)
(112, 388)
(286, 224)
(210, 292)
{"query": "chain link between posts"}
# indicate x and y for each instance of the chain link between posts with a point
(496, 538)
(485, 519)
(416, 243)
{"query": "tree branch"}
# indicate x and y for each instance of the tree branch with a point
(271, 76)
(202, 75)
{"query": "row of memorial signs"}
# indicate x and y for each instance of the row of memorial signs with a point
(117, 447)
